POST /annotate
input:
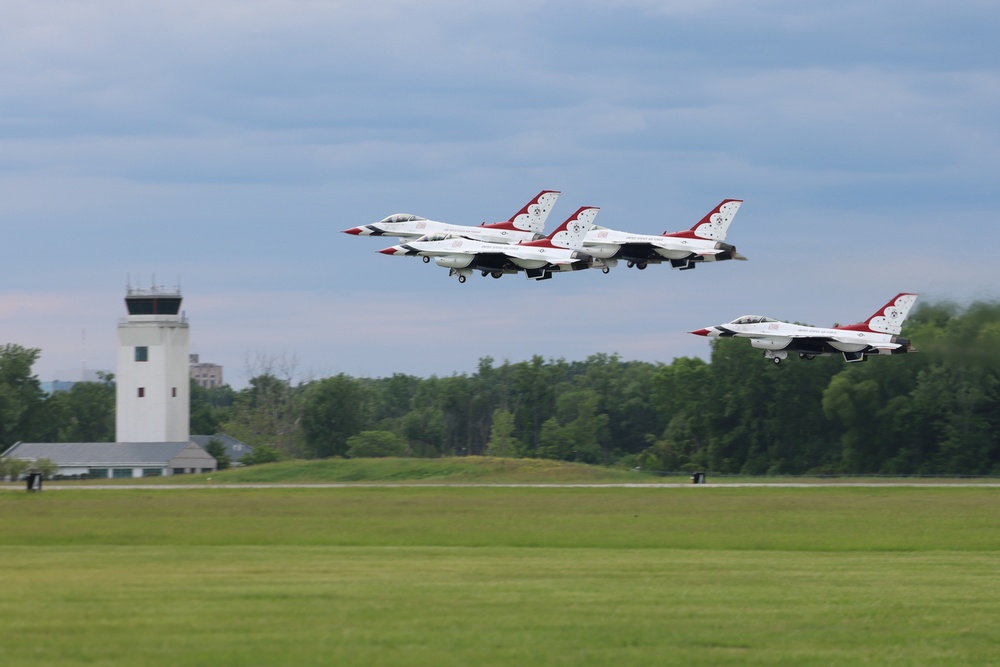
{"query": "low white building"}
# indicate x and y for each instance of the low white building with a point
(117, 460)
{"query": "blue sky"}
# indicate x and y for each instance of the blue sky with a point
(224, 145)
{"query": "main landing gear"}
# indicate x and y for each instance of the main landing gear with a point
(777, 356)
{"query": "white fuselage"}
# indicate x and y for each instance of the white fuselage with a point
(605, 243)
(460, 252)
(779, 335)
(418, 228)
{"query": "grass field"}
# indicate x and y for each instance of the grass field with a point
(501, 576)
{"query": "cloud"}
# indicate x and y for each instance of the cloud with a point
(226, 144)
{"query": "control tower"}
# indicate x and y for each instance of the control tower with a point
(153, 402)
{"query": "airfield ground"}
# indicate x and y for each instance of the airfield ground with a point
(501, 576)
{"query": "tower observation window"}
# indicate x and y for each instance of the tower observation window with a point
(141, 353)
(153, 305)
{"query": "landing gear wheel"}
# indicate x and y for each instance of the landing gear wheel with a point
(461, 279)
(630, 264)
(776, 360)
(606, 270)
(641, 266)
(807, 357)
(485, 273)
(426, 259)
(496, 275)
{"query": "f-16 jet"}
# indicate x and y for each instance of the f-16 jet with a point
(560, 251)
(879, 334)
(525, 225)
(705, 242)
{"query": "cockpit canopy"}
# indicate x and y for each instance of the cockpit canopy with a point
(402, 217)
(752, 319)
(437, 236)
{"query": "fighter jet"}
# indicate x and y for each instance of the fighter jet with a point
(560, 251)
(705, 242)
(525, 225)
(879, 334)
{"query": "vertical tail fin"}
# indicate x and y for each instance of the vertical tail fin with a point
(889, 318)
(715, 225)
(531, 217)
(571, 233)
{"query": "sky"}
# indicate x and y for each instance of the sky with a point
(222, 147)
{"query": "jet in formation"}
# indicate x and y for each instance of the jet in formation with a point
(705, 242)
(538, 259)
(879, 334)
(525, 225)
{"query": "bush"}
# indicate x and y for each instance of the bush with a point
(375, 444)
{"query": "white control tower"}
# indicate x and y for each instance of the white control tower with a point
(153, 402)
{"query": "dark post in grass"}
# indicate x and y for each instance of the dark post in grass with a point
(698, 478)
(34, 481)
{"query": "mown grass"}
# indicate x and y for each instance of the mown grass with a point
(501, 576)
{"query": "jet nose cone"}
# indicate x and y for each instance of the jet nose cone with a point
(700, 332)
(353, 230)
(393, 250)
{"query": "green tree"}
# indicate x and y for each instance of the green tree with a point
(217, 450)
(424, 429)
(89, 412)
(12, 469)
(47, 467)
(210, 407)
(260, 454)
(268, 412)
(21, 396)
(334, 409)
(555, 441)
(501, 442)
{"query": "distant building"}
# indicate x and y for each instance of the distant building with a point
(117, 460)
(235, 449)
(69, 378)
(208, 376)
(55, 386)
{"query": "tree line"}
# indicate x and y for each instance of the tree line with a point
(935, 412)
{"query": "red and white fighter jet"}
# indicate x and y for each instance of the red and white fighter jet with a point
(525, 225)
(705, 242)
(560, 251)
(879, 334)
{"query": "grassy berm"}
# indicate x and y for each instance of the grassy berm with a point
(468, 469)
(428, 575)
